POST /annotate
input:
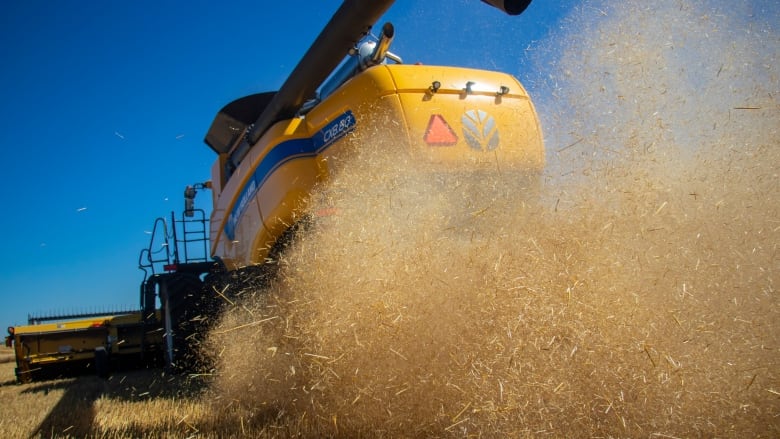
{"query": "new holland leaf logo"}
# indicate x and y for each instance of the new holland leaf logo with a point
(480, 130)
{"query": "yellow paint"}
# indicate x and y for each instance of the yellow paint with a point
(387, 101)
(75, 340)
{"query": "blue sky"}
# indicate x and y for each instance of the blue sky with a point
(105, 105)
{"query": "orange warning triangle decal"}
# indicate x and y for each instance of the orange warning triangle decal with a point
(439, 132)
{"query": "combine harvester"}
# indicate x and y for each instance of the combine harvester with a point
(272, 150)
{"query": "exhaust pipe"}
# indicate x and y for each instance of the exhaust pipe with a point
(388, 33)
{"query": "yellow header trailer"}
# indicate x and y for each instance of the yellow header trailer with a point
(80, 345)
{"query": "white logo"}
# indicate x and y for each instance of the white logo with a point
(480, 130)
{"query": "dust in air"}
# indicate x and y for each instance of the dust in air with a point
(627, 292)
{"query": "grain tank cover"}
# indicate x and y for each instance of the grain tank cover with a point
(233, 119)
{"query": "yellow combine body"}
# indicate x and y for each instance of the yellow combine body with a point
(454, 118)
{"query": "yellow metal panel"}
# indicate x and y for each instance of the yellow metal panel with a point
(454, 118)
(284, 196)
(60, 345)
(490, 128)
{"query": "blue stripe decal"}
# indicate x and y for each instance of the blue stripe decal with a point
(283, 153)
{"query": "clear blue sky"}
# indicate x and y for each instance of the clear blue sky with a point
(104, 106)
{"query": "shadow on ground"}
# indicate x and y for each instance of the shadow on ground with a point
(75, 413)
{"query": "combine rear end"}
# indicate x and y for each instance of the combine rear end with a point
(273, 149)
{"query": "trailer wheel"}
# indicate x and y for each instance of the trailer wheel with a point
(101, 362)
